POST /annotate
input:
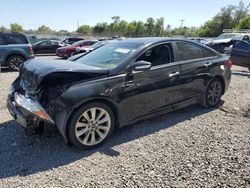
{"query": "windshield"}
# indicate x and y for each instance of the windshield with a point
(78, 43)
(110, 55)
(229, 36)
(98, 44)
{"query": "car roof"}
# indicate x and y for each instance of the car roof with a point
(152, 40)
(11, 33)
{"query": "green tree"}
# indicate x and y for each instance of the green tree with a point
(44, 30)
(101, 29)
(15, 27)
(159, 27)
(122, 27)
(132, 26)
(150, 24)
(227, 18)
(3, 29)
(84, 29)
(140, 30)
(244, 23)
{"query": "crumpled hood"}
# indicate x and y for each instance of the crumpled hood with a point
(34, 71)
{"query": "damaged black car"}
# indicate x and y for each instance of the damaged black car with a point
(117, 85)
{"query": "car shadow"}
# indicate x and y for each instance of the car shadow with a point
(241, 73)
(5, 70)
(22, 155)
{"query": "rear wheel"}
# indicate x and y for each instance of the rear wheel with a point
(212, 96)
(14, 62)
(91, 125)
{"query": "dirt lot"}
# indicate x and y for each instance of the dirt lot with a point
(193, 147)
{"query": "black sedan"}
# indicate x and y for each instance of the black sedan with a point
(47, 46)
(116, 85)
(240, 54)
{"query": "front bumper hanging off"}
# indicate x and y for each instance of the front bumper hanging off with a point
(27, 110)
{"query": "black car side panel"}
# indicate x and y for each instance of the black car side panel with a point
(107, 89)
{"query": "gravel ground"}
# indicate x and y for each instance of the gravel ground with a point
(193, 147)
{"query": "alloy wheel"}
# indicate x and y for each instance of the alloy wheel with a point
(15, 62)
(93, 126)
(214, 93)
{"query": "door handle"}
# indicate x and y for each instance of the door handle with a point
(207, 64)
(173, 74)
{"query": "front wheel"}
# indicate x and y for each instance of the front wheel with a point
(213, 93)
(91, 125)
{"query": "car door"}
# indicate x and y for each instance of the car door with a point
(195, 64)
(151, 92)
(41, 48)
(240, 54)
(53, 47)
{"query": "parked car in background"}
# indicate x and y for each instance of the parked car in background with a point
(71, 40)
(47, 46)
(92, 47)
(82, 51)
(14, 50)
(116, 85)
(223, 42)
(68, 51)
(240, 54)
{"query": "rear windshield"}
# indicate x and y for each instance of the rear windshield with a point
(16, 39)
(78, 43)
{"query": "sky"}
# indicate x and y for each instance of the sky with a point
(65, 14)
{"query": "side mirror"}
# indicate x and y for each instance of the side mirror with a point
(139, 66)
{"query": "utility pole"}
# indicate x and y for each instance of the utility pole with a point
(182, 21)
(77, 24)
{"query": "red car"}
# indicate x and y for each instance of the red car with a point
(67, 51)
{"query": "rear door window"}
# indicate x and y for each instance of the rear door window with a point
(208, 53)
(45, 43)
(242, 45)
(188, 51)
(16, 39)
(53, 43)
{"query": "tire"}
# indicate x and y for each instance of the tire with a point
(14, 62)
(213, 93)
(88, 131)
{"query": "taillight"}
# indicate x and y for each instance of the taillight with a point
(31, 50)
(229, 64)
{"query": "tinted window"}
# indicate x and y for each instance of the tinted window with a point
(187, 51)
(74, 39)
(158, 55)
(92, 42)
(53, 43)
(78, 43)
(208, 53)
(246, 38)
(2, 41)
(16, 39)
(45, 43)
(242, 45)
